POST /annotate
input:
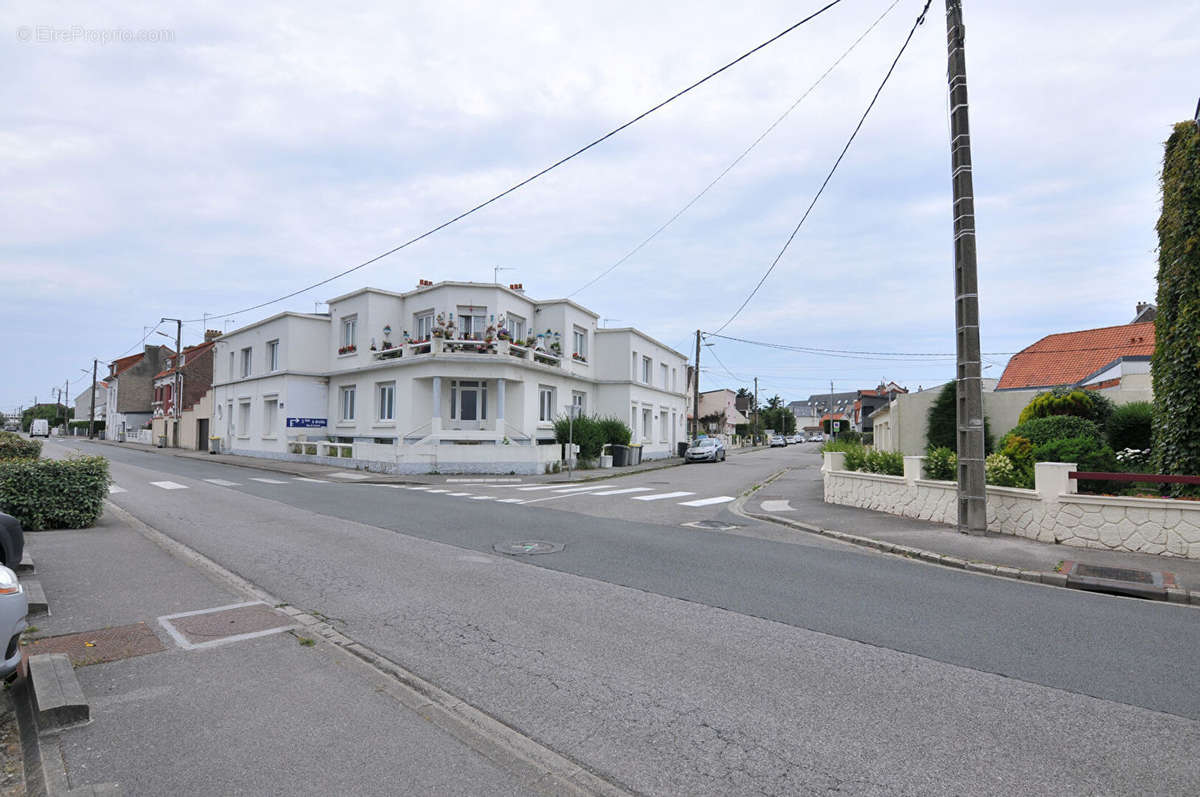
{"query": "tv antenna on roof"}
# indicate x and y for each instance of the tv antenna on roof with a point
(496, 272)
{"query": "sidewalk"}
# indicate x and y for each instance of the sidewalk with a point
(313, 470)
(229, 696)
(796, 499)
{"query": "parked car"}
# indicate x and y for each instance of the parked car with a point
(13, 609)
(39, 428)
(816, 438)
(795, 438)
(12, 541)
(706, 449)
(778, 440)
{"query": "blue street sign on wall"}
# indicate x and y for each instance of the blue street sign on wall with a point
(307, 423)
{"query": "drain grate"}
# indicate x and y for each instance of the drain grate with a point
(1150, 584)
(101, 645)
(712, 525)
(527, 547)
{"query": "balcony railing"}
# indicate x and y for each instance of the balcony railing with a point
(439, 346)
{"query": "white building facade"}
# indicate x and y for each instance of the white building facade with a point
(456, 377)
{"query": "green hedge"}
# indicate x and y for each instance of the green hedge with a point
(54, 493)
(13, 446)
(1040, 431)
(941, 463)
(1131, 426)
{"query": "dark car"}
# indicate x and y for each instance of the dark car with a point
(12, 541)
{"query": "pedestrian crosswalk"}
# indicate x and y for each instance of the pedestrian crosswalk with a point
(517, 492)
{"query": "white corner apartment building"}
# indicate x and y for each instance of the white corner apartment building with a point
(457, 377)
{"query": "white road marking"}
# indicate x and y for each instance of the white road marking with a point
(511, 501)
(170, 485)
(223, 483)
(418, 488)
(661, 496)
(547, 486)
(266, 481)
(437, 491)
(625, 490)
(720, 499)
(114, 489)
(479, 481)
(581, 489)
(482, 497)
(351, 476)
(457, 495)
(311, 481)
(181, 640)
(777, 506)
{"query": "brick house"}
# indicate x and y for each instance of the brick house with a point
(131, 391)
(194, 377)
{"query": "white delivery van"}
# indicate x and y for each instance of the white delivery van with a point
(39, 428)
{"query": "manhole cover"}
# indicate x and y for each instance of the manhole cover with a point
(716, 525)
(527, 547)
(1119, 580)
(101, 645)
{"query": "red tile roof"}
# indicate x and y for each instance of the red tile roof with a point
(1067, 358)
(189, 353)
(125, 363)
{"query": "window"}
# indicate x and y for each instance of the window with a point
(647, 424)
(387, 401)
(424, 325)
(232, 366)
(243, 421)
(580, 343)
(349, 331)
(646, 365)
(246, 358)
(633, 425)
(270, 416)
(272, 355)
(347, 403)
(579, 400)
(633, 370)
(516, 327)
(674, 380)
(545, 404)
(663, 415)
(666, 378)
(472, 322)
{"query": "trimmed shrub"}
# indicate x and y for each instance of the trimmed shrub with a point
(13, 446)
(856, 456)
(850, 436)
(586, 433)
(1041, 431)
(1130, 426)
(54, 493)
(941, 463)
(1003, 472)
(1088, 454)
(1019, 452)
(1062, 401)
(889, 463)
(615, 432)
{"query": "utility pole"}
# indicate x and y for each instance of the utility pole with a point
(92, 408)
(176, 383)
(756, 410)
(972, 492)
(832, 428)
(696, 393)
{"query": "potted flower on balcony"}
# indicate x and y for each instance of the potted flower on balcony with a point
(555, 347)
(347, 349)
(578, 357)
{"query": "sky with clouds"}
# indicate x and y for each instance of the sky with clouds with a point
(197, 159)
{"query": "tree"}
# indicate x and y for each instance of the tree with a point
(942, 427)
(1177, 325)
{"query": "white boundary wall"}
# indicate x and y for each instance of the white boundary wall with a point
(1051, 512)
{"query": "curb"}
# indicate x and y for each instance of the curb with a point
(540, 767)
(1176, 597)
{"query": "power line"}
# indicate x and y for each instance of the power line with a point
(920, 20)
(726, 367)
(905, 354)
(544, 171)
(736, 160)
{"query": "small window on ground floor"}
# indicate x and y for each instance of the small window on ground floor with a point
(545, 404)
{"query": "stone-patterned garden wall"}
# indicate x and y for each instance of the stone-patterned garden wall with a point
(1051, 512)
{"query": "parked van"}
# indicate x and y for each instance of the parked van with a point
(39, 428)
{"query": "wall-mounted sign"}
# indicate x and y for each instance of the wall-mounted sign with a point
(307, 423)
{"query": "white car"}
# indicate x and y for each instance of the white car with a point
(39, 428)
(777, 441)
(13, 608)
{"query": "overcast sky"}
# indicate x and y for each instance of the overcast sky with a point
(243, 151)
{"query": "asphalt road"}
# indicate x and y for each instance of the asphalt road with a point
(735, 663)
